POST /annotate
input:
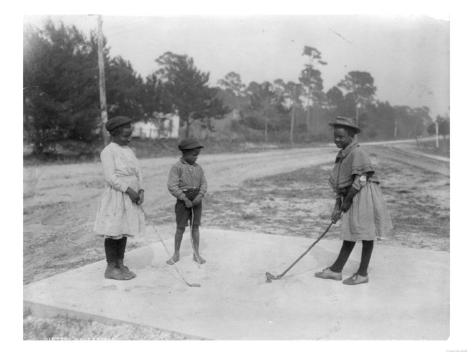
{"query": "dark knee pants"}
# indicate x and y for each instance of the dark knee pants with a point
(184, 214)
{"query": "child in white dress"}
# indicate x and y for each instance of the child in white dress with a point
(120, 215)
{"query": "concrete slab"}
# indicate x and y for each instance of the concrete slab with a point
(407, 297)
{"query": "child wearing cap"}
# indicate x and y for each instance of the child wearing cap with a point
(359, 202)
(188, 184)
(120, 215)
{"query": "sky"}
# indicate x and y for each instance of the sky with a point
(408, 56)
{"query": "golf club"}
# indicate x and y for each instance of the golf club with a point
(191, 228)
(175, 266)
(270, 277)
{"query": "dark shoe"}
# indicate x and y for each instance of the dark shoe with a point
(125, 270)
(329, 274)
(356, 279)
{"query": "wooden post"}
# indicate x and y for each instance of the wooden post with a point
(266, 103)
(103, 98)
(293, 115)
(307, 118)
(265, 128)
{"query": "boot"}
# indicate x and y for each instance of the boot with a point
(127, 274)
(120, 252)
(112, 272)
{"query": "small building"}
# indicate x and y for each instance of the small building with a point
(142, 129)
(159, 126)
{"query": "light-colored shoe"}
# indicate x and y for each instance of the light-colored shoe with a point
(356, 279)
(329, 274)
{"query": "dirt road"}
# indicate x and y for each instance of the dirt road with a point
(60, 201)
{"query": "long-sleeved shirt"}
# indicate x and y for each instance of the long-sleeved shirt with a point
(184, 176)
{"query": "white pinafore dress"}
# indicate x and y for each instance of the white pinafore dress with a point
(117, 215)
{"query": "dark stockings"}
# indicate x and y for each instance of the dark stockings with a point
(111, 250)
(345, 252)
(343, 256)
(365, 257)
(114, 249)
(121, 245)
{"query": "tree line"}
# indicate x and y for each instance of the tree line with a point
(61, 94)
(304, 109)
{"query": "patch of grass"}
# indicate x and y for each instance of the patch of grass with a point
(68, 328)
(430, 147)
(300, 202)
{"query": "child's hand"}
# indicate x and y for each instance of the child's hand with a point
(345, 205)
(197, 200)
(134, 197)
(336, 215)
(347, 201)
(141, 194)
(188, 202)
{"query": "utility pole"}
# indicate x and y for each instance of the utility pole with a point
(310, 101)
(309, 104)
(395, 127)
(103, 98)
(357, 114)
(265, 111)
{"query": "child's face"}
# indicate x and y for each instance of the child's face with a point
(341, 138)
(124, 136)
(190, 156)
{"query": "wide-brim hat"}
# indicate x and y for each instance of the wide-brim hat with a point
(341, 121)
(189, 144)
(116, 122)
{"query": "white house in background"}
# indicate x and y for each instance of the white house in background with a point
(161, 126)
(143, 129)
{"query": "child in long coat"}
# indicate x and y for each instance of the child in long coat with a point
(359, 202)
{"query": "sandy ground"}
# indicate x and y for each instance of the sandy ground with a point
(235, 301)
(60, 201)
(300, 202)
(280, 191)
